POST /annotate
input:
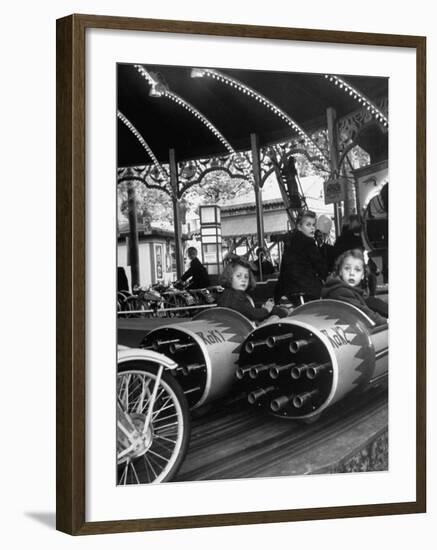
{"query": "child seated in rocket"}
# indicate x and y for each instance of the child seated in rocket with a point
(237, 278)
(348, 284)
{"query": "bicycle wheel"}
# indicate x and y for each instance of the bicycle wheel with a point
(154, 453)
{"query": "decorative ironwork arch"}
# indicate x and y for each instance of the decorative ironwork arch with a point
(350, 126)
(348, 143)
(198, 169)
(140, 174)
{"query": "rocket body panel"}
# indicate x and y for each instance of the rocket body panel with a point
(217, 334)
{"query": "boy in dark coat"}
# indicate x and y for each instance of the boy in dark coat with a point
(303, 267)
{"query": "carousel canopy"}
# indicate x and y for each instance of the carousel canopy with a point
(169, 120)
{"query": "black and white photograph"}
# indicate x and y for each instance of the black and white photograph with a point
(252, 273)
(217, 259)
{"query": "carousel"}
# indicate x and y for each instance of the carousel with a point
(202, 392)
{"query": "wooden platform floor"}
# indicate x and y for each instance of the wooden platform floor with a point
(232, 440)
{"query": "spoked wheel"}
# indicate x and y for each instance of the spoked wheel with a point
(153, 424)
(130, 305)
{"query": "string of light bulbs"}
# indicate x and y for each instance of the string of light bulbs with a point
(160, 90)
(234, 83)
(361, 98)
(143, 142)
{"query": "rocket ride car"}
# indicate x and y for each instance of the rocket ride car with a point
(301, 365)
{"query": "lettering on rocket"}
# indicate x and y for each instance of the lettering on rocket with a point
(336, 336)
(212, 337)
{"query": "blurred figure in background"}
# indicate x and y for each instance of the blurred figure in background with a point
(350, 238)
(197, 273)
(122, 282)
(262, 263)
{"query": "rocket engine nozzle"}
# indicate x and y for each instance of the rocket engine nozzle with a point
(271, 341)
(256, 395)
(304, 398)
(159, 343)
(296, 345)
(254, 372)
(188, 369)
(281, 402)
(314, 371)
(240, 373)
(175, 347)
(252, 345)
(276, 371)
(296, 372)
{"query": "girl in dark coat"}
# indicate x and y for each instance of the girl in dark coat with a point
(303, 267)
(346, 284)
(237, 278)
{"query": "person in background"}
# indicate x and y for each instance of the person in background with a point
(348, 284)
(237, 279)
(303, 267)
(122, 282)
(326, 249)
(350, 237)
(373, 273)
(197, 273)
(261, 261)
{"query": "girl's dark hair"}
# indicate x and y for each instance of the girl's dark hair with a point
(305, 214)
(228, 272)
(358, 255)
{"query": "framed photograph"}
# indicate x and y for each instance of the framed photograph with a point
(224, 350)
